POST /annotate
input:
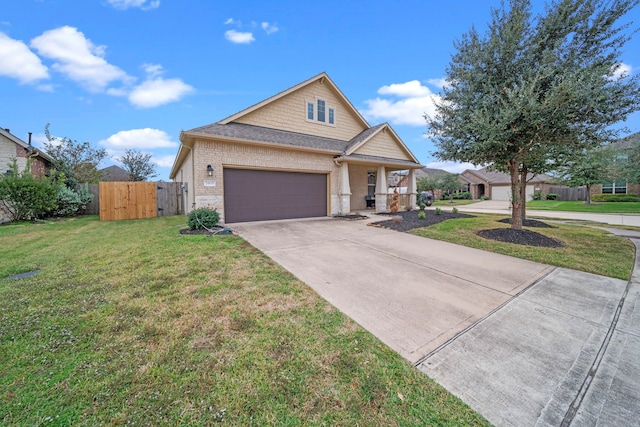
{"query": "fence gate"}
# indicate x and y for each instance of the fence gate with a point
(127, 200)
(169, 198)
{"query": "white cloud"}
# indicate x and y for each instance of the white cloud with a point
(153, 70)
(78, 58)
(230, 21)
(239, 37)
(439, 83)
(146, 138)
(269, 28)
(18, 62)
(407, 104)
(622, 70)
(164, 161)
(158, 91)
(142, 4)
(452, 167)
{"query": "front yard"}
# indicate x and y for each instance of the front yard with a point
(131, 323)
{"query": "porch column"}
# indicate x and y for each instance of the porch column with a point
(344, 192)
(381, 190)
(412, 189)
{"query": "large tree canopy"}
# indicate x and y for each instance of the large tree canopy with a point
(532, 92)
(139, 165)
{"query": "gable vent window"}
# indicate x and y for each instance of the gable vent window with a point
(310, 115)
(319, 112)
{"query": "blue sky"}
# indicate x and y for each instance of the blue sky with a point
(134, 73)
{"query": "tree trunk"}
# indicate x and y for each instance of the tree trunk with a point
(516, 200)
(523, 193)
(588, 200)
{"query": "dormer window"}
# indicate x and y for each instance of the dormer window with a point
(319, 112)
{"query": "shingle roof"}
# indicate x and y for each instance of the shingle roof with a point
(113, 173)
(494, 177)
(425, 172)
(275, 136)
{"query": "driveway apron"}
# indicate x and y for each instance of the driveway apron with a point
(414, 294)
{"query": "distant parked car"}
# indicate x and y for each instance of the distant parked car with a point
(426, 197)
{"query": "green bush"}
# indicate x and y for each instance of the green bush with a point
(421, 205)
(454, 210)
(537, 195)
(552, 196)
(615, 198)
(203, 218)
(26, 196)
(483, 197)
(422, 215)
(438, 211)
(70, 202)
(465, 195)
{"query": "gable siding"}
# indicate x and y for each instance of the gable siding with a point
(8, 152)
(383, 145)
(289, 113)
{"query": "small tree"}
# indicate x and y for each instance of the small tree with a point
(26, 196)
(592, 167)
(451, 183)
(429, 183)
(138, 165)
(77, 161)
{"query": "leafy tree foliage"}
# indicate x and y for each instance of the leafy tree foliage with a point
(589, 168)
(429, 183)
(534, 92)
(138, 165)
(632, 167)
(450, 183)
(26, 196)
(77, 161)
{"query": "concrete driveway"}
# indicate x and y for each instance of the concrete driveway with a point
(520, 342)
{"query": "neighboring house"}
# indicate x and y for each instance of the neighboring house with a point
(401, 179)
(113, 173)
(305, 152)
(12, 147)
(497, 185)
(620, 187)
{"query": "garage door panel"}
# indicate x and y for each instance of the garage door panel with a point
(256, 195)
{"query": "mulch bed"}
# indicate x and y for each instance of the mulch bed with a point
(534, 223)
(520, 237)
(408, 220)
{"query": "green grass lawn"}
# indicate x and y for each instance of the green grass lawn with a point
(130, 322)
(587, 249)
(579, 206)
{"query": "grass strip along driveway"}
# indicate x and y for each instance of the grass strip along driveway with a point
(579, 206)
(587, 249)
(131, 323)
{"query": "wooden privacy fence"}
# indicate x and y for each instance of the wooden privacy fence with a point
(567, 193)
(132, 200)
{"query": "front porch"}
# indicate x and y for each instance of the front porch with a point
(363, 185)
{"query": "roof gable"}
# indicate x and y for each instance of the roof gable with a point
(11, 137)
(287, 111)
(381, 141)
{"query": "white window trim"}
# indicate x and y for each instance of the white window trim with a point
(613, 188)
(327, 107)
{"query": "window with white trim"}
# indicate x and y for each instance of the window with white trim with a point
(319, 112)
(619, 187)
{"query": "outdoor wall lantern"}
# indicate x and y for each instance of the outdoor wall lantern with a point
(209, 170)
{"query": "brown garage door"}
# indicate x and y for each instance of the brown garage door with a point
(258, 195)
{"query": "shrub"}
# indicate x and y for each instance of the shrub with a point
(422, 215)
(70, 202)
(615, 198)
(26, 196)
(552, 196)
(537, 195)
(203, 218)
(438, 211)
(421, 205)
(483, 197)
(465, 195)
(454, 210)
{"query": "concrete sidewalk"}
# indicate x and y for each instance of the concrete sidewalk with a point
(522, 343)
(504, 208)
